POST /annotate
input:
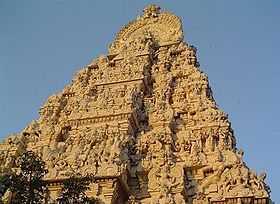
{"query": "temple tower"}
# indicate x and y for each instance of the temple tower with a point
(143, 120)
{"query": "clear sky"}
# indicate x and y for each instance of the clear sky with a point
(44, 42)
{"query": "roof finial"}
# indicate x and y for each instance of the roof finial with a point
(151, 10)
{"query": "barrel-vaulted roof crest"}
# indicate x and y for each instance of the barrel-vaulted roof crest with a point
(165, 27)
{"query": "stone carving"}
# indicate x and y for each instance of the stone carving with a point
(144, 122)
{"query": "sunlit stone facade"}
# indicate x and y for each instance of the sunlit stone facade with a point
(142, 119)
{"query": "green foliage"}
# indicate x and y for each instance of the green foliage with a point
(4, 184)
(271, 202)
(27, 184)
(73, 191)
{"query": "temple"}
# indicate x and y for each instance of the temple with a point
(142, 119)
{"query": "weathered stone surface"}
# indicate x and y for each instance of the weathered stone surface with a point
(143, 120)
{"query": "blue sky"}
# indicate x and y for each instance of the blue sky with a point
(43, 43)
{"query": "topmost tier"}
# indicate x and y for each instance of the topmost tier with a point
(163, 27)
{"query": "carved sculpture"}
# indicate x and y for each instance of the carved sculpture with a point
(143, 120)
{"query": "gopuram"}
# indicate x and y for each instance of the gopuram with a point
(142, 119)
